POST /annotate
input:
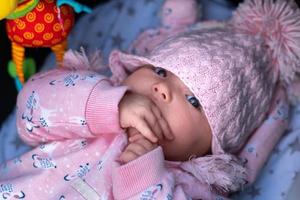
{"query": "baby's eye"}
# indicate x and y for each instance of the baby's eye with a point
(193, 100)
(160, 71)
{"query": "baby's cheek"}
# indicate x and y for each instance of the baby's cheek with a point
(179, 149)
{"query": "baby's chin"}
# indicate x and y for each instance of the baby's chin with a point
(173, 153)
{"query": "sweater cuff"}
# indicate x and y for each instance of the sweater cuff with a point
(139, 174)
(102, 112)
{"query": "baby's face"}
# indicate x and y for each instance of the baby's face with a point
(181, 110)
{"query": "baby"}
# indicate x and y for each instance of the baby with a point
(166, 126)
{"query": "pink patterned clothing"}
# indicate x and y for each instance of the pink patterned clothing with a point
(71, 116)
(72, 119)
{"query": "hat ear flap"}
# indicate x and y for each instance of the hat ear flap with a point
(122, 65)
(117, 68)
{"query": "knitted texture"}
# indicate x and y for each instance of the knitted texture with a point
(278, 23)
(228, 72)
(233, 72)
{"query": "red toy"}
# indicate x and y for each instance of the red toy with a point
(45, 25)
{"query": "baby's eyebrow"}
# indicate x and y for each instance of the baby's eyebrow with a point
(148, 66)
(187, 91)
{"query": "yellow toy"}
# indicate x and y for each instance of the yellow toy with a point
(7, 7)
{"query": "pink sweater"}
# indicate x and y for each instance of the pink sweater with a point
(71, 117)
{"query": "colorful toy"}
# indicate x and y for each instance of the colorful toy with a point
(37, 23)
(6, 7)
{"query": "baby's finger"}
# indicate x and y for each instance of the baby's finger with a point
(127, 156)
(140, 139)
(163, 123)
(145, 130)
(135, 137)
(132, 131)
(136, 148)
(149, 146)
(154, 124)
(166, 129)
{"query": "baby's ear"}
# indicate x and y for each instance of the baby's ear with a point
(122, 65)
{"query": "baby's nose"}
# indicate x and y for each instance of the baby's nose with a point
(162, 92)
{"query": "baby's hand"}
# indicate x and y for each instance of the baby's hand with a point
(139, 112)
(138, 146)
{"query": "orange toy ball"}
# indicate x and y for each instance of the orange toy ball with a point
(44, 26)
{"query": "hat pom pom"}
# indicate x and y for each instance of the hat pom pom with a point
(278, 22)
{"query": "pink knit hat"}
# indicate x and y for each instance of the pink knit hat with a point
(232, 72)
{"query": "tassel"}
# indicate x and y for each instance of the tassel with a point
(223, 172)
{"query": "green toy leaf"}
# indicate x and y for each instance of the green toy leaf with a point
(29, 68)
(21, 11)
(11, 68)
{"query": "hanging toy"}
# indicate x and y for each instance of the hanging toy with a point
(37, 23)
